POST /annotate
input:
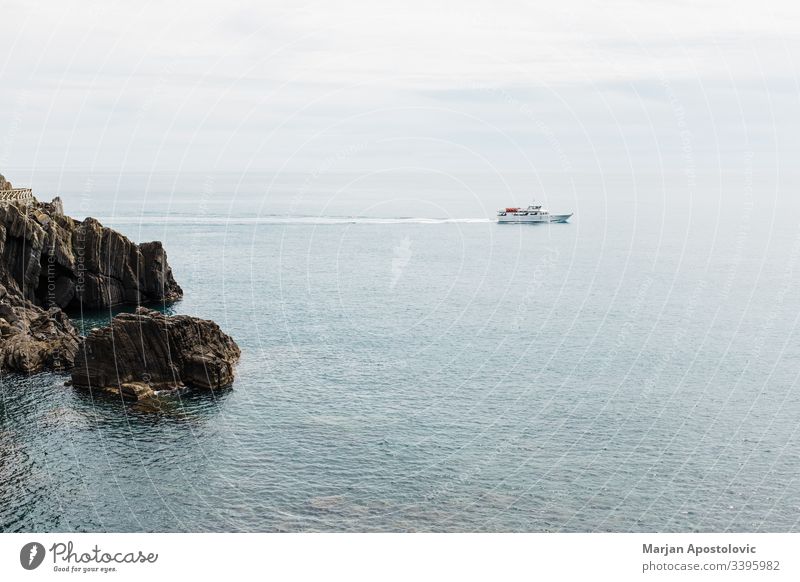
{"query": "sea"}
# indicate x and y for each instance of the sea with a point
(410, 365)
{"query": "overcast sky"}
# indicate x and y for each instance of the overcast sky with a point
(456, 86)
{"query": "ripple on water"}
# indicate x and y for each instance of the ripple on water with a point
(469, 384)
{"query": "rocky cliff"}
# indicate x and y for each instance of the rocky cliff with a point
(50, 262)
(53, 260)
(146, 351)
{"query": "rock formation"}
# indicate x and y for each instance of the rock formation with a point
(32, 339)
(5, 184)
(53, 260)
(146, 351)
(50, 262)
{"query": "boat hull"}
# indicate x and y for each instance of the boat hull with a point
(532, 219)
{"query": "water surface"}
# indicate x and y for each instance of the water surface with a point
(408, 365)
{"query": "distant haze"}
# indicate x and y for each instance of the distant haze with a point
(365, 86)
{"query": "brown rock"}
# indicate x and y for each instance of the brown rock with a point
(136, 391)
(32, 339)
(54, 260)
(49, 262)
(158, 351)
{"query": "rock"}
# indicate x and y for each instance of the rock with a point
(50, 262)
(157, 351)
(63, 290)
(5, 184)
(136, 391)
(32, 339)
(54, 208)
(54, 260)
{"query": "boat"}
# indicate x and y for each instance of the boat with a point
(533, 213)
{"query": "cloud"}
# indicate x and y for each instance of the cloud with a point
(267, 85)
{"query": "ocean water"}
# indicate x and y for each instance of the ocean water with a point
(408, 365)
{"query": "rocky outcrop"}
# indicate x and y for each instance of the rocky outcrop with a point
(53, 260)
(32, 339)
(50, 262)
(146, 351)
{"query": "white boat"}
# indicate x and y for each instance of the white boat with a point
(533, 213)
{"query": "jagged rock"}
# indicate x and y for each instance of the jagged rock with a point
(136, 391)
(32, 339)
(50, 262)
(147, 350)
(54, 260)
(54, 208)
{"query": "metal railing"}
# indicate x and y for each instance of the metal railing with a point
(16, 195)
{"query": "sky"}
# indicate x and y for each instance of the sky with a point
(462, 86)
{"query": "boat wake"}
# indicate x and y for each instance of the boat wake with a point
(281, 220)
